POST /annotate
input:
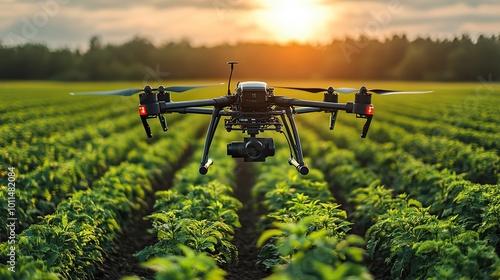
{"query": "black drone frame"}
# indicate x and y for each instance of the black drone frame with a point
(154, 104)
(253, 108)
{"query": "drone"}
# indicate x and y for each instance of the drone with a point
(253, 108)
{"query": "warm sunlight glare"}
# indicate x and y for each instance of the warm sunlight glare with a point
(293, 20)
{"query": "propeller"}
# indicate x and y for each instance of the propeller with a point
(351, 90)
(389, 92)
(317, 90)
(132, 91)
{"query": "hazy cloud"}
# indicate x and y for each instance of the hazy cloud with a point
(160, 4)
(72, 23)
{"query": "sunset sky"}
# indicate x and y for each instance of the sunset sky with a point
(71, 23)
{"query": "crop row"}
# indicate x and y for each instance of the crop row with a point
(196, 218)
(72, 240)
(485, 139)
(49, 110)
(410, 240)
(41, 190)
(446, 193)
(52, 98)
(36, 128)
(28, 156)
(304, 231)
(477, 164)
(459, 109)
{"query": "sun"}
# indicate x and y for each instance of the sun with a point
(293, 20)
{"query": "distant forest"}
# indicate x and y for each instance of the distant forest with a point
(395, 58)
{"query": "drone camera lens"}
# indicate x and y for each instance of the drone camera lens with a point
(252, 149)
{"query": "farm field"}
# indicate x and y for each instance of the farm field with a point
(85, 194)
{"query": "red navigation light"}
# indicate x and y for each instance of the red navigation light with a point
(369, 109)
(142, 110)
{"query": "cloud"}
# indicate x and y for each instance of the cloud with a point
(432, 4)
(382, 18)
(73, 27)
(421, 4)
(72, 23)
(58, 32)
(159, 4)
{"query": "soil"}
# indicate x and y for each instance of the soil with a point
(245, 238)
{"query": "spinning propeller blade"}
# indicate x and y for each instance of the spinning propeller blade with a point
(317, 90)
(186, 88)
(311, 90)
(388, 91)
(351, 90)
(124, 92)
(132, 91)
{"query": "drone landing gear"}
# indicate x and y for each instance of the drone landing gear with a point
(163, 122)
(205, 161)
(303, 169)
(256, 149)
(294, 142)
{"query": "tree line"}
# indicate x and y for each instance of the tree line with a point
(396, 58)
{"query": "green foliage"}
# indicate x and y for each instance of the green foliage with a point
(325, 216)
(277, 189)
(209, 202)
(477, 208)
(84, 188)
(477, 164)
(198, 212)
(206, 236)
(305, 236)
(191, 265)
(456, 236)
(79, 185)
(200, 217)
(314, 254)
(34, 269)
(373, 201)
(416, 244)
(61, 155)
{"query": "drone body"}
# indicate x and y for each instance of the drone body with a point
(253, 108)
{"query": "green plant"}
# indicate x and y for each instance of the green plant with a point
(417, 244)
(325, 216)
(307, 254)
(190, 266)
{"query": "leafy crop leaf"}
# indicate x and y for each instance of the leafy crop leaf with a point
(268, 234)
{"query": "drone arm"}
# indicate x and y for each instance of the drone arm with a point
(310, 105)
(220, 102)
(197, 110)
(304, 110)
(362, 108)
